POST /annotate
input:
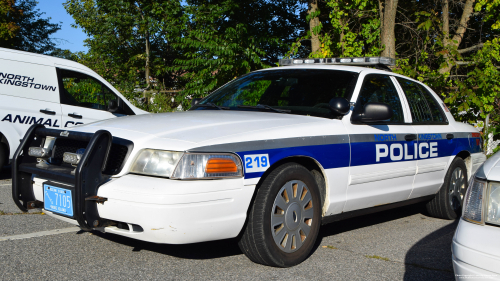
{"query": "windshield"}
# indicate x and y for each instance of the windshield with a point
(294, 91)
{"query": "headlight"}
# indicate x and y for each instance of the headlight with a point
(493, 209)
(179, 165)
(206, 166)
(155, 162)
(473, 203)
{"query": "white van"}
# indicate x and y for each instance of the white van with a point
(54, 92)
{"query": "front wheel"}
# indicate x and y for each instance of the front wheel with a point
(449, 200)
(284, 218)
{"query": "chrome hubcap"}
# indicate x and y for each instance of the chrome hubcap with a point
(457, 188)
(292, 216)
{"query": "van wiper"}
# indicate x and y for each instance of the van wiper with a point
(209, 104)
(263, 106)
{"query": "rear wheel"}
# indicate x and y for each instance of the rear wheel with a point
(449, 200)
(3, 155)
(284, 218)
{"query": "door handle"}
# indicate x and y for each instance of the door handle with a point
(48, 111)
(450, 136)
(410, 137)
(75, 115)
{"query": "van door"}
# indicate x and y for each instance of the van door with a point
(383, 163)
(85, 99)
(436, 143)
(29, 95)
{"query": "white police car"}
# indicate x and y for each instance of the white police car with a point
(476, 247)
(54, 92)
(267, 158)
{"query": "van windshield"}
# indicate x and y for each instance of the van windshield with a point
(294, 91)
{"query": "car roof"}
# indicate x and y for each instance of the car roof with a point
(357, 69)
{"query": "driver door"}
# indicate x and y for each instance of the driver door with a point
(83, 98)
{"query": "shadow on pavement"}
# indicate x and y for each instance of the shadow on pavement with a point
(433, 252)
(198, 251)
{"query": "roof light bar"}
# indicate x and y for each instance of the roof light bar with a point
(349, 61)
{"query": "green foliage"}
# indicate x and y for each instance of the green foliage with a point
(26, 30)
(227, 38)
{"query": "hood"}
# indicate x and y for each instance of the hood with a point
(199, 126)
(490, 169)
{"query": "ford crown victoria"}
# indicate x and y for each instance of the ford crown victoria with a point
(266, 159)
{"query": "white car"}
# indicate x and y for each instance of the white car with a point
(54, 92)
(476, 247)
(267, 158)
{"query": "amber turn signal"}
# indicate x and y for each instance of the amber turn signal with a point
(220, 165)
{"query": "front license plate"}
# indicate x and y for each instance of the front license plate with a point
(57, 200)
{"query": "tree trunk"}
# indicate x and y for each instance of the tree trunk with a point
(388, 10)
(147, 61)
(446, 21)
(459, 34)
(314, 22)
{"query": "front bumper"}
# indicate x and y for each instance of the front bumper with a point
(171, 211)
(476, 252)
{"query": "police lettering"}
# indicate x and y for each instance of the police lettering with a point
(398, 151)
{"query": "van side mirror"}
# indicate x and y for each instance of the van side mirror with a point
(195, 101)
(340, 105)
(112, 106)
(373, 112)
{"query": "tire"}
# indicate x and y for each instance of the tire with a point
(3, 155)
(449, 200)
(283, 237)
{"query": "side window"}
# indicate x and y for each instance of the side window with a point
(379, 88)
(423, 107)
(83, 90)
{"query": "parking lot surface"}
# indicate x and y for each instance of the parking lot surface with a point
(399, 244)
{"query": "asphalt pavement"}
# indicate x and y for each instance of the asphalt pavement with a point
(399, 244)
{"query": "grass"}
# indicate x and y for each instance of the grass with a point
(378, 258)
(330, 247)
(2, 213)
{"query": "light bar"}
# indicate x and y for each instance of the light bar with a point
(72, 158)
(39, 152)
(348, 61)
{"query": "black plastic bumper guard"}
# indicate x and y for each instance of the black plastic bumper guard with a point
(85, 181)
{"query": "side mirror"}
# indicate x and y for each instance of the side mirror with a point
(112, 106)
(373, 112)
(340, 105)
(195, 101)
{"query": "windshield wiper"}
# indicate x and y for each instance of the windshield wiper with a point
(209, 104)
(263, 106)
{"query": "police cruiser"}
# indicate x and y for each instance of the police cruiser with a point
(266, 158)
(54, 92)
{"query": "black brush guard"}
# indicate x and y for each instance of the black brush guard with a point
(84, 183)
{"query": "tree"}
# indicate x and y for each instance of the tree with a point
(8, 14)
(226, 38)
(29, 32)
(130, 41)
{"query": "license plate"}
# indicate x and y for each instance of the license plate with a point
(57, 200)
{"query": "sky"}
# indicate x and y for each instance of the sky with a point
(70, 38)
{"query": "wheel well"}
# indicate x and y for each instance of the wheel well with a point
(3, 140)
(313, 166)
(465, 155)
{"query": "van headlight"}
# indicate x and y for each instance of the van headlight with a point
(180, 165)
(482, 202)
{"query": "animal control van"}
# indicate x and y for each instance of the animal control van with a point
(54, 92)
